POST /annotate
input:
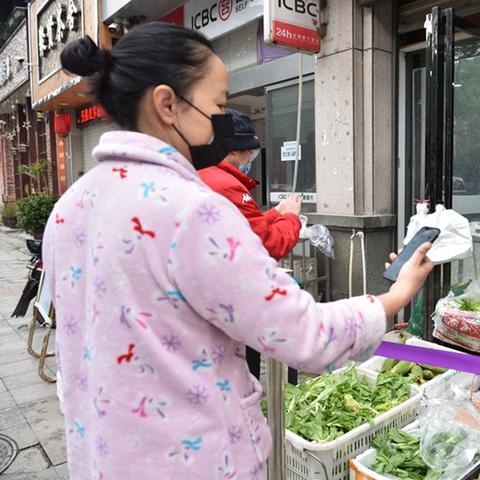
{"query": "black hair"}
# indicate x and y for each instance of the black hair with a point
(151, 54)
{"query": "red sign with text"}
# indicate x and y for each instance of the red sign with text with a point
(293, 24)
(295, 36)
(89, 114)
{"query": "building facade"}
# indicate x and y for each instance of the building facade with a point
(25, 136)
(361, 163)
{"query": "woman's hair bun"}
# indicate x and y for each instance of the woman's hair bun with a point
(83, 57)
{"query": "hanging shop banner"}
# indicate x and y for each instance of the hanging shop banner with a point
(461, 362)
(268, 53)
(218, 17)
(293, 24)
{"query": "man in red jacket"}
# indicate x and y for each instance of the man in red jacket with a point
(278, 228)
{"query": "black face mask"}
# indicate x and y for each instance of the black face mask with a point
(204, 156)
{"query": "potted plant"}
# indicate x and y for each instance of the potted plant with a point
(36, 172)
(9, 214)
(33, 213)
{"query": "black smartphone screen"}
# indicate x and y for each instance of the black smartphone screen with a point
(425, 234)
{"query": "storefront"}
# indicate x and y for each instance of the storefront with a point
(360, 124)
(52, 25)
(13, 93)
(439, 67)
(90, 122)
(25, 137)
(262, 83)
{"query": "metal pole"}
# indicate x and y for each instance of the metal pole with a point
(276, 461)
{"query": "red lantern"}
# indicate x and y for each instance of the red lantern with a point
(61, 123)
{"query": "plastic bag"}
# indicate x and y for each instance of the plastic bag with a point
(450, 433)
(454, 323)
(417, 221)
(455, 240)
(319, 236)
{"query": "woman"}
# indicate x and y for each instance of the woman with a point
(158, 282)
(278, 228)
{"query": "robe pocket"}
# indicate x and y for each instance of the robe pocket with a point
(258, 429)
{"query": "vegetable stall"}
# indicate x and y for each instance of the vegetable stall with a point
(374, 420)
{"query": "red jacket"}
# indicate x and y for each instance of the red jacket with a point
(279, 233)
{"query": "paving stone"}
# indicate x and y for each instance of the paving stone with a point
(19, 380)
(13, 355)
(30, 393)
(30, 460)
(55, 447)
(11, 416)
(44, 417)
(48, 474)
(11, 340)
(22, 434)
(6, 400)
(29, 411)
(15, 367)
(62, 471)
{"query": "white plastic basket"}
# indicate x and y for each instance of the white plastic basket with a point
(329, 461)
(360, 467)
(374, 364)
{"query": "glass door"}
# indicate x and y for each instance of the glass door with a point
(281, 124)
(444, 113)
(466, 143)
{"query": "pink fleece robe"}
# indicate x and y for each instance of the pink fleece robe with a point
(158, 284)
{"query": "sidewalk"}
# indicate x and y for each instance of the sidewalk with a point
(29, 412)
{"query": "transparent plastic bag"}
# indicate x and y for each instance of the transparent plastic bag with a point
(450, 433)
(319, 237)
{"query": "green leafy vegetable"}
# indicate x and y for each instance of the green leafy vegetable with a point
(440, 448)
(324, 408)
(398, 454)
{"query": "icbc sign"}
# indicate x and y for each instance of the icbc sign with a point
(225, 8)
(217, 17)
(292, 24)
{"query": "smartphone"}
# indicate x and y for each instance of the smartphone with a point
(425, 234)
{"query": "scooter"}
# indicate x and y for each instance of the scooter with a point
(30, 290)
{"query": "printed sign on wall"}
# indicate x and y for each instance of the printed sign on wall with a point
(289, 151)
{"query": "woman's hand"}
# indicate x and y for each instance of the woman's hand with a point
(411, 278)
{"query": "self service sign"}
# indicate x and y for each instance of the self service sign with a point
(217, 17)
(293, 24)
